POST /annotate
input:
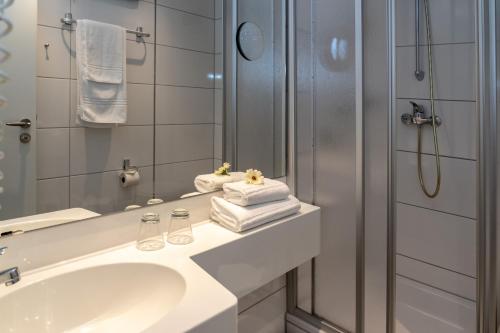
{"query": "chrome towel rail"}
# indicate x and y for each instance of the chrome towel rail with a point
(68, 20)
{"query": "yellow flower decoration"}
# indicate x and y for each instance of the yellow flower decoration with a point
(254, 177)
(223, 170)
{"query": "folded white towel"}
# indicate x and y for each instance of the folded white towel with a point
(238, 218)
(243, 194)
(211, 182)
(101, 74)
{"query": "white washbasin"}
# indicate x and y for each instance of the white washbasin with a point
(122, 297)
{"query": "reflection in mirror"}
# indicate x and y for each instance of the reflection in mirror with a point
(98, 118)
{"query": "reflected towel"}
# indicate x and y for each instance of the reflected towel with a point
(101, 74)
(243, 194)
(238, 218)
(211, 182)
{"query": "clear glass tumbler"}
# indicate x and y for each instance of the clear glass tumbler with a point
(179, 230)
(150, 233)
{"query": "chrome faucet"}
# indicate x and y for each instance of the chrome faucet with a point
(10, 276)
(418, 117)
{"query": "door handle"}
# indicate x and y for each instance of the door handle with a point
(23, 123)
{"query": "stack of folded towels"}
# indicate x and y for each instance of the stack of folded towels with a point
(212, 182)
(246, 206)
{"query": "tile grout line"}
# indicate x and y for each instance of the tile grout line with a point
(434, 287)
(262, 300)
(434, 265)
(471, 219)
(117, 170)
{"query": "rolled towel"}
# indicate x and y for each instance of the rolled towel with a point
(243, 194)
(211, 182)
(238, 218)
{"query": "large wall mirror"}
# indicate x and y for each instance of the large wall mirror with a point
(192, 102)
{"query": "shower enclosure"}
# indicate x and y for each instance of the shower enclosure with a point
(395, 258)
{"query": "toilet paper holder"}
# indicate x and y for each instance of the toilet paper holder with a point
(129, 168)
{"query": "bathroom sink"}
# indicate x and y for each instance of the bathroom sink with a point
(122, 297)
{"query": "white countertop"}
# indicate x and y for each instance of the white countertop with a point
(218, 265)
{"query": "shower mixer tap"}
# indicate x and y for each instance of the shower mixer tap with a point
(417, 117)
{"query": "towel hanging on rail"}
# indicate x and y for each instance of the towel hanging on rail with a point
(101, 74)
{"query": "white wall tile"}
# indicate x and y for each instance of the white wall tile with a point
(219, 8)
(53, 102)
(267, 317)
(440, 239)
(52, 194)
(53, 61)
(128, 14)
(454, 72)
(434, 276)
(176, 179)
(97, 149)
(219, 36)
(180, 143)
(52, 153)
(218, 144)
(458, 186)
(103, 193)
(184, 30)
(219, 71)
(140, 104)
(184, 105)
(218, 106)
(452, 21)
(457, 135)
(204, 7)
(304, 286)
(50, 12)
(184, 68)
(140, 61)
(423, 309)
(217, 164)
(252, 299)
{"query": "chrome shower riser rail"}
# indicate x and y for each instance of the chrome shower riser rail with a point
(419, 73)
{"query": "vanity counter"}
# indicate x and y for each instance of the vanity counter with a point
(218, 266)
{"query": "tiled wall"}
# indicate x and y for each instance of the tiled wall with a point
(218, 97)
(264, 309)
(173, 95)
(436, 238)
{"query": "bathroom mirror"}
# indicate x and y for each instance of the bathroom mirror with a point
(175, 114)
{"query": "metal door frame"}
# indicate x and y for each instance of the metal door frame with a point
(292, 277)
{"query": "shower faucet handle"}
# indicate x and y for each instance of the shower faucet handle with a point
(417, 117)
(418, 110)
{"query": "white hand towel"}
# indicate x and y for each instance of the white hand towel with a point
(102, 87)
(238, 218)
(101, 51)
(211, 182)
(243, 194)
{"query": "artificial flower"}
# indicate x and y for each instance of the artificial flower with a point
(254, 177)
(223, 170)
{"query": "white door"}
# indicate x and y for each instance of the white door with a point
(18, 159)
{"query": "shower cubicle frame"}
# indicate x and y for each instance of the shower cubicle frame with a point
(292, 277)
(487, 242)
(488, 262)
